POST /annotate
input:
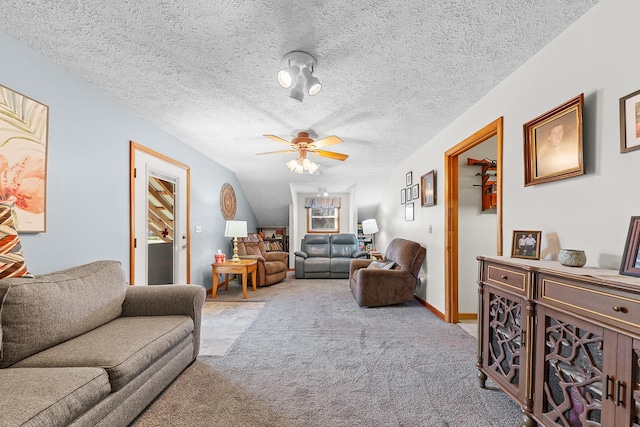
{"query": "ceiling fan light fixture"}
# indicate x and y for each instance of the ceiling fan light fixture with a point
(291, 164)
(313, 167)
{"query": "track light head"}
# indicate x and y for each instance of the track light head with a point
(287, 76)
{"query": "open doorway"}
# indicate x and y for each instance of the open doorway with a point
(451, 190)
(159, 219)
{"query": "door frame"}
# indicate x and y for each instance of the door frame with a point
(133, 148)
(494, 128)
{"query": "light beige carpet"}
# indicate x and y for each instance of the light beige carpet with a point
(313, 358)
(223, 323)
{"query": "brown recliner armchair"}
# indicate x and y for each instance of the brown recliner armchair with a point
(272, 266)
(373, 287)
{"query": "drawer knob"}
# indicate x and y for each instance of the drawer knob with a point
(618, 309)
(503, 277)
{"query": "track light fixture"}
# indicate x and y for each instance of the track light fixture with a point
(297, 74)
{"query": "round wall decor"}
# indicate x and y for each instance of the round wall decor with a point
(228, 201)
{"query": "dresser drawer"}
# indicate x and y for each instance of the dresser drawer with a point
(615, 307)
(506, 277)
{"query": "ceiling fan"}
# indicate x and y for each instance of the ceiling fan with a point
(303, 144)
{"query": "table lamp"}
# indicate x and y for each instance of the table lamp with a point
(235, 229)
(370, 226)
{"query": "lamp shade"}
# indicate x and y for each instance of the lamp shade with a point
(235, 229)
(369, 226)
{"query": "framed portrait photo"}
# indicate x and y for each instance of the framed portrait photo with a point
(428, 184)
(553, 144)
(526, 244)
(408, 212)
(630, 265)
(409, 179)
(630, 122)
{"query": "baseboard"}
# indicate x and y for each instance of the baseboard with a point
(430, 307)
(467, 316)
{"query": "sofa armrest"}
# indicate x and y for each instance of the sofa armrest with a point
(359, 254)
(167, 300)
(301, 254)
(357, 264)
(277, 256)
(256, 257)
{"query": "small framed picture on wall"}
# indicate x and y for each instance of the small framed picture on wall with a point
(409, 179)
(630, 122)
(428, 195)
(403, 196)
(408, 212)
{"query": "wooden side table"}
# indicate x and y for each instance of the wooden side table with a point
(244, 267)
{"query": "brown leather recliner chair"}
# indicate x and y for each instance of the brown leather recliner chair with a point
(272, 266)
(373, 287)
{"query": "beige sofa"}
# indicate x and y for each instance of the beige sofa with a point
(81, 347)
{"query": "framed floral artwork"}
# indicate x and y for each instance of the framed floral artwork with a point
(24, 129)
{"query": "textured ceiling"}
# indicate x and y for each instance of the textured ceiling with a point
(394, 74)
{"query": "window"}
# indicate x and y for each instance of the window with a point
(323, 220)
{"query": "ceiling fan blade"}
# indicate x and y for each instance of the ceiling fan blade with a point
(325, 142)
(277, 152)
(329, 154)
(278, 139)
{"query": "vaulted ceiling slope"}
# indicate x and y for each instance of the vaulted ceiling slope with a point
(394, 74)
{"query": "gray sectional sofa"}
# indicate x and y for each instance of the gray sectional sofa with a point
(326, 256)
(81, 347)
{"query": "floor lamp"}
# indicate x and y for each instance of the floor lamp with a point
(235, 229)
(370, 226)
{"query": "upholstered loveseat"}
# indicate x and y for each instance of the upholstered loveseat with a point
(81, 347)
(326, 256)
(272, 265)
(393, 280)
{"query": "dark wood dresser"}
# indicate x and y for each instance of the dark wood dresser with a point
(563, 342)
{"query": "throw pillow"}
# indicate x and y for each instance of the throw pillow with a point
(381, 265)
(12, 262)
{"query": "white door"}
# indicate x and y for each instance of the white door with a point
(146, 164)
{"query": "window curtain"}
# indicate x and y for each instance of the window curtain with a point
(322, 202)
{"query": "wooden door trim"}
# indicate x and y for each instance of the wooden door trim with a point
(451, 210)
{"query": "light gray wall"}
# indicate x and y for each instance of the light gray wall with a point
(477, 229)
(595, 56)
(88, 172)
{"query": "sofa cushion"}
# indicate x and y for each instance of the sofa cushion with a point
(382, 265)
(343, 245)
(124, 347)
(49, 396)
(316, 245)
(38, 313)
(12, 262)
